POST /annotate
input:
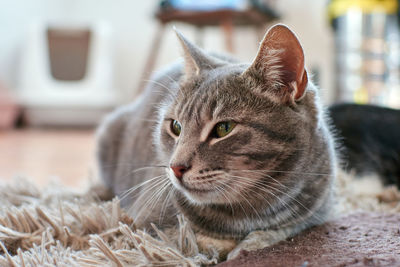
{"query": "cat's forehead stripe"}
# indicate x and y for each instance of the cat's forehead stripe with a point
(196, 107)
(181, 107)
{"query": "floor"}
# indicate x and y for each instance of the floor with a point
(44, 155)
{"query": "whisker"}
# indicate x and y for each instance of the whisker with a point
(175, 82)
(165, 204)
(146, 197)
(255, 183)
(130, 190)
(111, 165)
(135, 170)
(149, 167)
(293, 172)
(164, 86)
(152, 201)
(245, 199)
(222, 191)
(148, 120)
(284, 202)
(320, 219)
(157, 197)
(170, 78)
(273, 179)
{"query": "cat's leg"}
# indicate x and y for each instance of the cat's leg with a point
(223, 246)
(261, 239)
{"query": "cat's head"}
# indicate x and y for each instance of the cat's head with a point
(229, 123)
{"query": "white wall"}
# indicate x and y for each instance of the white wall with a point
(134, 28)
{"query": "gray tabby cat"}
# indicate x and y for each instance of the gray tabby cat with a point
(241, 150)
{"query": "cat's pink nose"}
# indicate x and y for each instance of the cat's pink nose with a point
(179, 170)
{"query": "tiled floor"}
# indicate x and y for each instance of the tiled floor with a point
(42, 154)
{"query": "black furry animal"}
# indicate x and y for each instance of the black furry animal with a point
(370, 136)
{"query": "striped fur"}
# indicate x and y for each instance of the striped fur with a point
(273, 172)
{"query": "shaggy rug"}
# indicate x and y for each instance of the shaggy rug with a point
(58, 227)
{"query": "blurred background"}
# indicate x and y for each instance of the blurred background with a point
(64, 64)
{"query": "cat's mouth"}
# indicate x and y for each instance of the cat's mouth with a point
(199, 185)
(199, 193)
(199, 189)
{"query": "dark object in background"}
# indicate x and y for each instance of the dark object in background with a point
(371, 139)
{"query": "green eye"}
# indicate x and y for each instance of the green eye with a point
(176, 127)
(224, 128)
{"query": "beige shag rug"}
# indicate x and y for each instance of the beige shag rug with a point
(57, 227)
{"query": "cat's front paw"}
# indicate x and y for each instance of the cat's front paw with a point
(247, 246)
(234, 253)
(223, 246)
(256, 240)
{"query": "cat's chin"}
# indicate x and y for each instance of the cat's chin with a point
(202, 196)
(198, 196)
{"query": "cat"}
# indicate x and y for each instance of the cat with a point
(370, 141)
(241, 150)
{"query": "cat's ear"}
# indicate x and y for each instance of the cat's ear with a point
(279, 66)
(195, 58)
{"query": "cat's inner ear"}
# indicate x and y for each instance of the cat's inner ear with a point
(279, 65)
(195, 59)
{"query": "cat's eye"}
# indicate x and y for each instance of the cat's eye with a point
(176, 127)
(222, 129)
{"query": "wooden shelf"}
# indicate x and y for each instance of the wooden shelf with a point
(250, 17)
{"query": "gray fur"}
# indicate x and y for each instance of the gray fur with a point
(272, 173)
